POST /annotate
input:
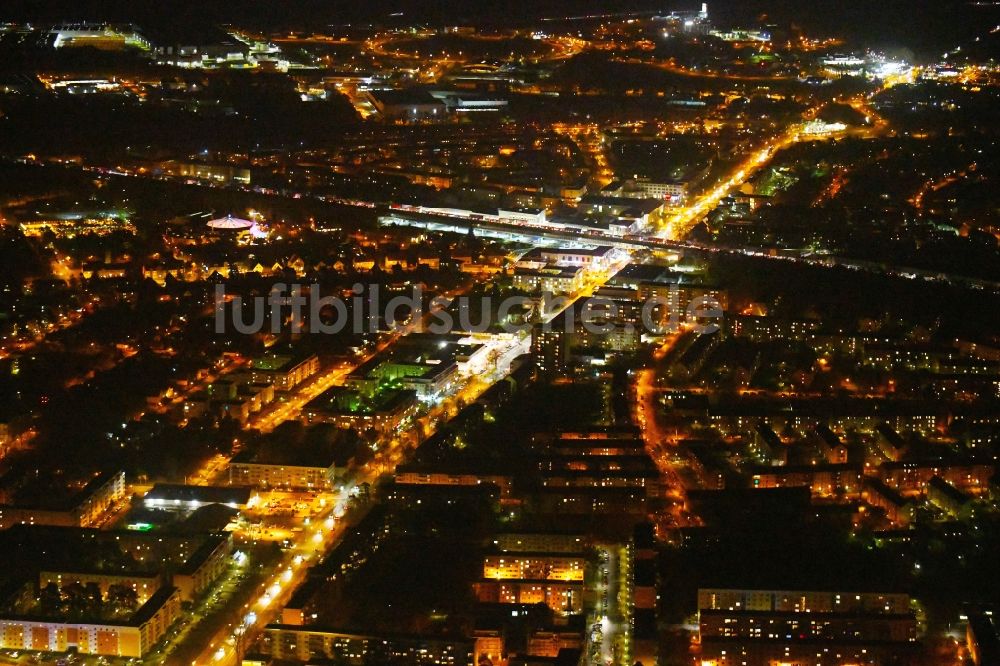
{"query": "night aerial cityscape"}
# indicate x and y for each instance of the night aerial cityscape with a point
(550, 333)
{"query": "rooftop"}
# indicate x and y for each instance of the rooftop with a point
(186, 494)
(229, 223)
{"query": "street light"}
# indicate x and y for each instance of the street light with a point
(239, 634)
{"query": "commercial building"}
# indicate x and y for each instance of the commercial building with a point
(175, 496)
(597, 258)
(467, 102)
(209, 55)
(637, 212)
(535, 217)
(741, 35)
(645, 188)
(429, 370)
(630, 221)
(613, 215)
(101, 36)
(409, 104)
(350, 409)
(71, 224)
(470, 355)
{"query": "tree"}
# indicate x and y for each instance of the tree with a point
(75, 596)
(50, 599)
(122, 598)
(95, 599)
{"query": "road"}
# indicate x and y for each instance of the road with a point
(324, 532)
(325, 529)
(430, 67)
(272, 417)
(608, 637)
(660, 443)
(671, 235)
(268, 419)
(269, 597)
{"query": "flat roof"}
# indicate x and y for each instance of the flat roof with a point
(277, 362)
(168, 492)
(598, 251)
(566, 272)
(405, 97)
(949, 490)
(204, 551)
(386, 401)
(539, 581)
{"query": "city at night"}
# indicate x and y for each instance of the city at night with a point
(553, 333)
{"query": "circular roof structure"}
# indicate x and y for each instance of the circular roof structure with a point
(230, 223)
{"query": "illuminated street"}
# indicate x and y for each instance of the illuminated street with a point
(447, 334)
